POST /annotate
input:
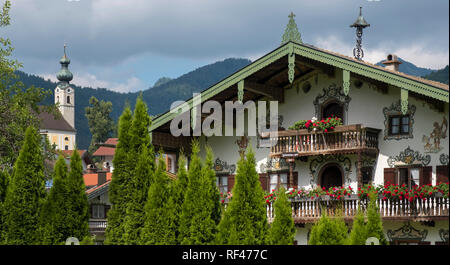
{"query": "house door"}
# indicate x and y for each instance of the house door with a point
(331, 177)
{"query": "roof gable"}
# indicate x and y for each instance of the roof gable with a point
(406, 82)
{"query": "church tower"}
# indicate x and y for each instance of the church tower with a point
(64, 94)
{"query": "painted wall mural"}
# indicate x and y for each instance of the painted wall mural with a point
(223, 167)
(275, 164)
(433, 141)
(335, 93)
(444, 159)
(409, 157)
(407, 232)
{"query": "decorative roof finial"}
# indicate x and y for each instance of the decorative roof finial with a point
(359, 24)
(64, 75)
(291, 32)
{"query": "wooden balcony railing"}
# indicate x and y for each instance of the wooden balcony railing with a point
(97, 225)
(304, 211)
(345, 138)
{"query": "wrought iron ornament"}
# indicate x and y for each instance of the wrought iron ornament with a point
(359, 24)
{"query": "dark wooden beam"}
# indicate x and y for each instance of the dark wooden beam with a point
(324, 68)
(269, 91)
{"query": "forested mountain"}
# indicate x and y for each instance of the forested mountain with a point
(158, 98)
(439, 75)
(410, 69)
(166, 90)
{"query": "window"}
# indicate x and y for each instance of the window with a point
(366, 175)
(68, 99)
(66, 147)
(409, 176)
(222, 183)
(278, 179)
(98, 211)
(333, 110)
(399, 125)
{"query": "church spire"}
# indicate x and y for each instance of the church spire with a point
(291, 32)
(64, 75)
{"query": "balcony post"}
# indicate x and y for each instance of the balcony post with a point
(359, 171)
(291, 172)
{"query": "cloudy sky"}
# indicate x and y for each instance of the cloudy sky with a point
(126, 45)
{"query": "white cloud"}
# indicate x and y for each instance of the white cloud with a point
(132, 84)
(418, 53)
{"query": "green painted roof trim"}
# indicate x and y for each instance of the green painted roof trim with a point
(318, 55)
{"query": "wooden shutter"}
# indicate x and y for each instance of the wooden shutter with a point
(295, 180)
(425, 176)
(390, 175)
(264, 179)
(441, 174)
(230, 182)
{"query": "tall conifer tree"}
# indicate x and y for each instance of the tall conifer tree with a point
(25, 193)
(245, 219)
(197, 227)
(56, 214)
(374, 224)
(140, 183)
(157, 227)
(329, 231)
(177, 189)
(282, 230)
(118, 192)
(79, 206)
(358, 235)
(210, 181)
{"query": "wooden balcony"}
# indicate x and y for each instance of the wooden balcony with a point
(343, 139)
(97, 226)
(308, 211)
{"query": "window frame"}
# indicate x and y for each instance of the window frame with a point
(408, 168)
(279, 183)
(400, 125)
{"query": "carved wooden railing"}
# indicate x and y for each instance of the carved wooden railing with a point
(343, 138)
(97, 225)
(311, 210)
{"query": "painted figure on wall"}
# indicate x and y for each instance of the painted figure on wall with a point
(433, 142)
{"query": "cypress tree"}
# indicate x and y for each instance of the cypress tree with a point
(141, 151)
(4, 181)
(329, 231)
(140, 183)
(358, 235)
(245, 219)
(197, 227)
(177, 191)
(282, 230)
(157, 227)
(56, 216)
(118, 191)
(374, 224)
(25, 193)
(212, 191)
(79, 206)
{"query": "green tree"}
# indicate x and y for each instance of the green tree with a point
(140, 183)
(329, 231)
(374, 226)
(78, 202)
(213, 193)
(18, 105)
(358, 235)
(99, 120)
(158, 216)
(197, 227)
(121, 176)
(245, 219)
(4, 181)
(25, 193)
(178, 190)
(282, 230)
(55, 216)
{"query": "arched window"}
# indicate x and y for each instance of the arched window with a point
(68, 99)
(57, 99)
(333, 109)
(66, 139)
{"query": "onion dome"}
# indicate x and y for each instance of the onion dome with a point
(64, 75)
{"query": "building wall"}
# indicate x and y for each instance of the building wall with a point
(58, 138)
(366, 107)
(432, 232)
